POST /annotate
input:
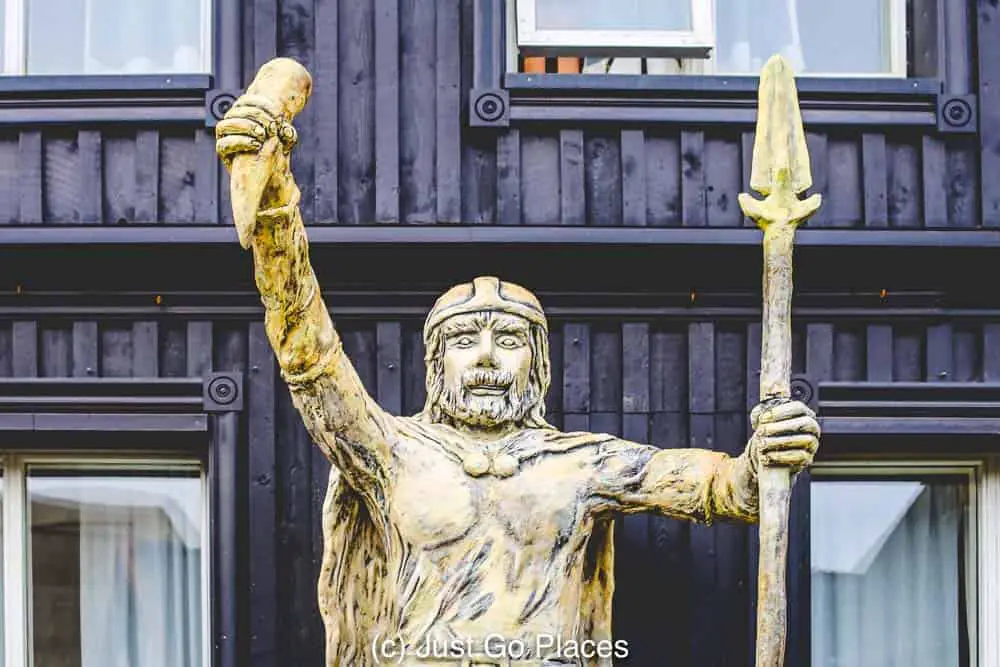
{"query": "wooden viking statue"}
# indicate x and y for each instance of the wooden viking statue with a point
(474, 532)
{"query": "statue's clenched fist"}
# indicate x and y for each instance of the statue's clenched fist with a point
(250, 122)
(786, 434)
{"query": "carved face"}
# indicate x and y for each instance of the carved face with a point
(486, 365)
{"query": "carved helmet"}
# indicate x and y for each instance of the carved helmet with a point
(482, 294)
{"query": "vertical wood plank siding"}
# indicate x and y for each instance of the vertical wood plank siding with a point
(671, 384)
(988, 49)
(385, 141)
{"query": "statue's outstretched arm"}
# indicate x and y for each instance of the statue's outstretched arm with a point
(700, 484)
(343, 419)
(695, 484)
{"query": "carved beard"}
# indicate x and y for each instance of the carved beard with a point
(458, 403)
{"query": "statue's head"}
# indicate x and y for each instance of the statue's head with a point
(487, 356)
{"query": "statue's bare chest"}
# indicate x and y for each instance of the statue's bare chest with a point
(434, 501)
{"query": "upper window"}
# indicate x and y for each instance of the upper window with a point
(679, 27)
(92, 37)
(846, 38)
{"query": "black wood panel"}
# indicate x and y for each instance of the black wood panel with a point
(178, 167)
(30, 177)
(572, 188)
(392, 170)
(723, 180)
(963, 184)
(392, 91)
(540, 177)
(706, 596)
(356, 99)
(603, 160)
(903, 193)
(673, 384)
(55, 350)
(692, 154)
(417, 162)
(299, 640)
(663, 187)
(843, 203)
(733, 579)
(262, 499)
(873, 156)
(448, 111)
(389, 374)
(508, 174)
(634, 180)
(819, 157)
(297, 35)
(325, 105)
(988, 48)
(386, 140)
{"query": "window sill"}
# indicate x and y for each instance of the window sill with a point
(622, 98)
(77, 100)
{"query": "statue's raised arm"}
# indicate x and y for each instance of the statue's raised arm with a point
(255, 140)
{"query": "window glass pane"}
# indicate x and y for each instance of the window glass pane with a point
(888, 573)
(116, 565)
(816, 36)
(114, 37)
(613, 15)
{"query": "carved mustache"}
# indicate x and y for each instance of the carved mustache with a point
(487, 377)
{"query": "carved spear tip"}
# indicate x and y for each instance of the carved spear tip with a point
(780, 154)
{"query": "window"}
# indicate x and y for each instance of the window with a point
(680, 27)
(68, 37)
(724, 37)
(106, 562)
(894, 565)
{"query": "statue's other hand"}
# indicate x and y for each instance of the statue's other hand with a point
(248, 124)
(785, 435)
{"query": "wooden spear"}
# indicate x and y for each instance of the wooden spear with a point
(780, 173)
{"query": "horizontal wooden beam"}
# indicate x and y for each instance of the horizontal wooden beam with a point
(873, 409)
(88, 422)
(117, 404)
(81, 100)
(403, 235)
(917, 426)
(616, 98)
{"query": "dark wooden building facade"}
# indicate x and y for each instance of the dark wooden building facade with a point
(424, 163)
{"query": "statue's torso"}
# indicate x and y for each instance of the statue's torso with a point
(498, 557)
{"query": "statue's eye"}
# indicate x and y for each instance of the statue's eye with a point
(464, 341)
(509, 341)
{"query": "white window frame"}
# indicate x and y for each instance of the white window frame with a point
(677, 43)
(982, 542)
(15, 564)
(692, 57)
(15, 38)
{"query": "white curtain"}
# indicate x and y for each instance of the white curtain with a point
(139, 594)
(613, 14)
(887, 575)
(140, 565)
(114, 36)
(816, 36)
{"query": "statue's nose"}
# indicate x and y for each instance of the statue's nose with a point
(487, 351)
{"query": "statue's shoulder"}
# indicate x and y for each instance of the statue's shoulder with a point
(553, 440)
